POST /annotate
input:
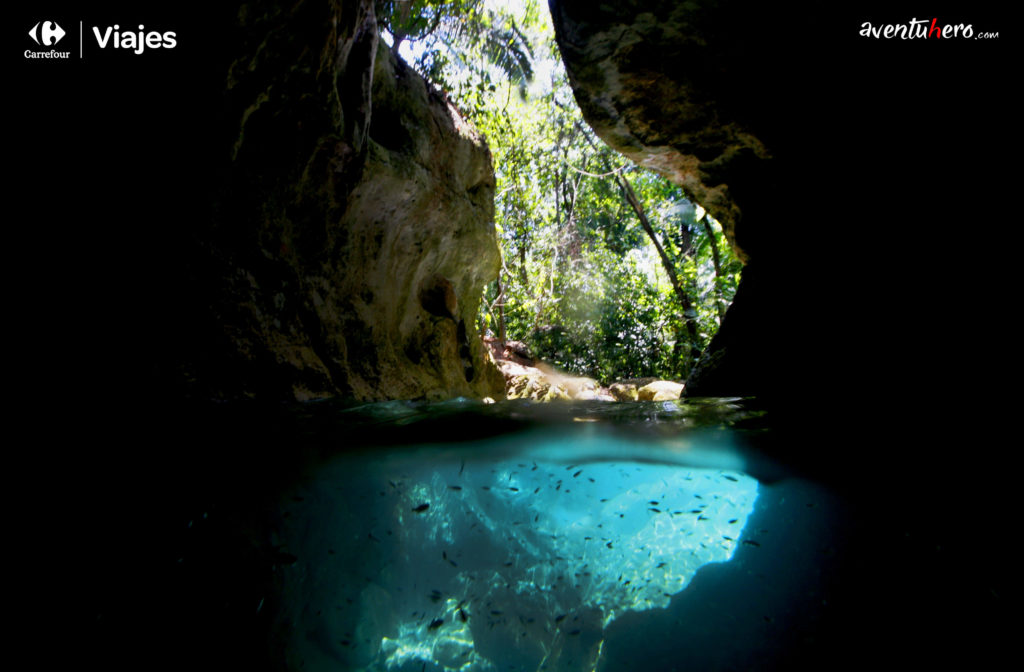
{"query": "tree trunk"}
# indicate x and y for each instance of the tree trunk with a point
(500, 301)
(719, 298)
(689, 313)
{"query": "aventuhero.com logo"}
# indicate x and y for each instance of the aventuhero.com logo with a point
(49, 34)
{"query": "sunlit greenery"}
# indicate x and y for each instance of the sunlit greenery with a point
(583, 280)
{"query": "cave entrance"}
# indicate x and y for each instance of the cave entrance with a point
(609, 271)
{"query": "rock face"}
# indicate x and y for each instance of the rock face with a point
(807, 141)
(528, 378)
(664, 83)
(680, 88)
(355, 233)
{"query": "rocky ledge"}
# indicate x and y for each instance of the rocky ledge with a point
(529, 378)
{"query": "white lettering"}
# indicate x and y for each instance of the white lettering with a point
(47, 54)
(102, 40)
(136, 42)
(127, 41)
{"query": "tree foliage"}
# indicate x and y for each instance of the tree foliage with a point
(608, 270)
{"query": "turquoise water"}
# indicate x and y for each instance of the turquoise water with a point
(458, 536)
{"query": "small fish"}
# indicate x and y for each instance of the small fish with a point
(560, 618)
(733, 521)
(730, 478)
(536, 490)
(421, 508)
(750, 542)
(435, 624)
(653, 502)
(651, 508)
(455, 487)
(577, 473)
(609, 544)
(514, 489)
(496, 612)
(574, 632)
(702, 517)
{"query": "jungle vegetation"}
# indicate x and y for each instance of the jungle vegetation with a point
(608, 270)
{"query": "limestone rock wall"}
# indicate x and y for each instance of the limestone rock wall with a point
(670, 85)
(353, 232)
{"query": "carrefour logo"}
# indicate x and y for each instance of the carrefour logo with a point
(114, 38)
(46, 34)
(51, 33)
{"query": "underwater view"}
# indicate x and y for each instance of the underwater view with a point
(459, 535)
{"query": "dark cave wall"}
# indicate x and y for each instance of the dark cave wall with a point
(683, 89)
(350, 193)
(836, 164)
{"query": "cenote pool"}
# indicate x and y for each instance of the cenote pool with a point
(458, 536)
(518, 536)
